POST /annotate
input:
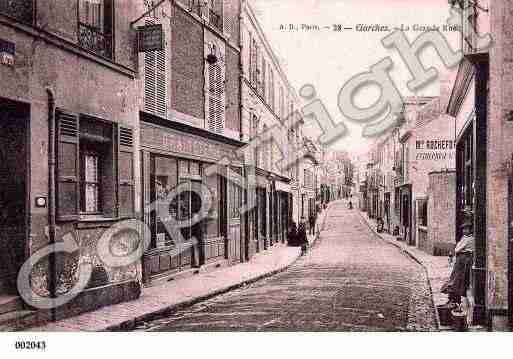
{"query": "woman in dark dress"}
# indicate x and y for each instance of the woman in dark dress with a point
(292, 236)
(301, 235)
(458, 283)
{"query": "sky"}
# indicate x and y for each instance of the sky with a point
(328, 59)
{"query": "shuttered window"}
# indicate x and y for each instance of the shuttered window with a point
(155, 84)
(271, 90)
(95, 173)
(264, 79)
(125, 172)
(216, 97)
(282, 104)
(253, 65)
(67, 166)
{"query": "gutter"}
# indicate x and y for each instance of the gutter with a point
(51, 196)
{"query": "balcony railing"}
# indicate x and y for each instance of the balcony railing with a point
(215, 19)
(93, 40)
(21, 10)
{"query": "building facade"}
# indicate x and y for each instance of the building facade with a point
(481, 107)
(99, 132)
(69, 144)
(269, 119)
(190, 122)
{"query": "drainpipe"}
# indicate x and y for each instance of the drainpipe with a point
(241, 67)
(51, 194)
(245, 232)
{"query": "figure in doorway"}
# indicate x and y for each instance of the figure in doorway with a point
(292, 235)
(302, 237)
(312, 219)
(458, 283)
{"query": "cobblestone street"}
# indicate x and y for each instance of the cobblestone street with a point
(351, 280)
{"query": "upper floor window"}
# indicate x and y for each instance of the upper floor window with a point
(96, 25)
(21, 10)
(253, 63)
(216, 95)
(271, 89)
(155, 80)
(282, 103)
(263, 78)
(214, 8)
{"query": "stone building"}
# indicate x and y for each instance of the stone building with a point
(399, 163)
(269, 106)
(481, 103)
(68, 146)
(190, 122)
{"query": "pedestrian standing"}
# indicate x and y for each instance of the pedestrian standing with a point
(292, 235)
(312, 219)
(301, 234)
(458, 283)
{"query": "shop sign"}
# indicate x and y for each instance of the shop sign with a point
(150, 38)
(435, 149)
(7, 52)
(183, 144)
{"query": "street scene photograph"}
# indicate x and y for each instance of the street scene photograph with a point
(242, 166)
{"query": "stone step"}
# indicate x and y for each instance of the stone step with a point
(10, 303)
(17, 320)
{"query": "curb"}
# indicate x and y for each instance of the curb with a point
(415, 259)
(131, 324)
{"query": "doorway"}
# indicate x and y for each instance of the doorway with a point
(406, 214)
(510, 250)
(13, 192)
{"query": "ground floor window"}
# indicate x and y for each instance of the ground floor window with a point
(91, 163)
(181, 206)
(423, 213)
(466, 166)
(95, 172)
(235, 196)
(262, 211)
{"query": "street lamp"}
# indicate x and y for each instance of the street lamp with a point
(212, 56)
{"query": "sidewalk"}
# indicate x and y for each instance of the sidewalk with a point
(182, 292)
(437, 268)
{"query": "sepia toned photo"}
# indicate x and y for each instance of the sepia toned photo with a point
(229, 166)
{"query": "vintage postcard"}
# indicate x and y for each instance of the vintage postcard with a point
(255, 166)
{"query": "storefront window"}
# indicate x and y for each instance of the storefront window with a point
(423, 213)
(262, 211)
(235, 197)
(168, 173)
(466, 171)
(212, 221)
(165, 180)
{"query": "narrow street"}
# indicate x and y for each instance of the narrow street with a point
(350, 280)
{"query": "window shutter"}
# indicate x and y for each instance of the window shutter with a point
(67, 166)
(251, 59)
(155, 84)
(216, 102)
(125, 172)
(264, 79)
(108, 10)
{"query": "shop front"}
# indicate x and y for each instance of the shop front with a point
(262, 208)
(405, 195)
(192, 204)
(283, 210)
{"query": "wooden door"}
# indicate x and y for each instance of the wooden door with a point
(13, 196)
